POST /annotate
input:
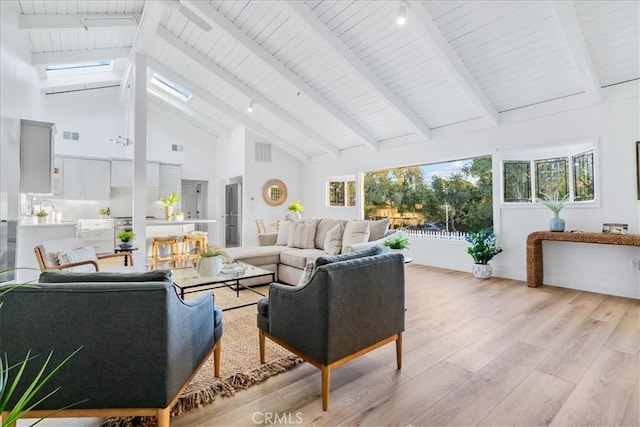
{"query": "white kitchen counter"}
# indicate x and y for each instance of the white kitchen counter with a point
(152, 222)
(47, 225)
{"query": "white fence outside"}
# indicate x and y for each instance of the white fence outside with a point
(435, 235)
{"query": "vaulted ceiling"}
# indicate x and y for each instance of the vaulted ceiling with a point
(328, 78)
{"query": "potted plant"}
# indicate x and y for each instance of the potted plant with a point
(555, 203)
(483, 248)
(397, 242)
(42, 216)
(295, 208)
(168, 204)
(126, 236)
(105, 213)
(178, 216)
(210, 262)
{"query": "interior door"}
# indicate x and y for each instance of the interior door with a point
(194, 203)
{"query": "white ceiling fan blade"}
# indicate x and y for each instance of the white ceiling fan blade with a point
(191, 16)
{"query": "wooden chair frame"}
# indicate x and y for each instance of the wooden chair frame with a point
(43, 267)
(326, 369)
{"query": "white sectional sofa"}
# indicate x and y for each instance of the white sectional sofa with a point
(288, 251)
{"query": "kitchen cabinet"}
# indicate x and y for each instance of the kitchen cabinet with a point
(122, 173)
(99, 233)
(86, 179)
(36, 156)
(153, 174)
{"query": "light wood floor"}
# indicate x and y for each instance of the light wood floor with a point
(476, 352)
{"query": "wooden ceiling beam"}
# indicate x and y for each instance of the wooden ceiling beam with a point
(149, 22)
(203, 121)
(421, 20)
(218, 20)
(241, 87)
(568, 20)
(333, 43)
(225, 108)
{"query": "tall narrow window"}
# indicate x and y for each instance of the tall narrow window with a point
(583, 176)
(517, 181)
(351, 193)
(552, 175)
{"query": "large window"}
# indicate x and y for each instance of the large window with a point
(570, 175)
(452, 196)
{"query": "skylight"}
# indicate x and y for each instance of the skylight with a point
(78, 65)
(170, 87)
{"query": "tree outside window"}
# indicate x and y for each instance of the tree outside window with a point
(452, 196)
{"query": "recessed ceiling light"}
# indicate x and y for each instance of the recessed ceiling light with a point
(250, 107)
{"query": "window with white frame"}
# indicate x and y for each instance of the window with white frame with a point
(342, 192)
(569, 171)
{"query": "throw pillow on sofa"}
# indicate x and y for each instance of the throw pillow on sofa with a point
(355, 232)
(378, 229)
(283, 234)
(333, 240)
(302, 235)
(324, 225)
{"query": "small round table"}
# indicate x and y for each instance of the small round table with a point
(126, 259)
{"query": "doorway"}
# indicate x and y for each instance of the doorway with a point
(194, 201)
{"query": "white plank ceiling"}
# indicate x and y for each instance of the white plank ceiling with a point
(333, 77)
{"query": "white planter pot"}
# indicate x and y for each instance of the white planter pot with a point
(209, 266)
(482, 271)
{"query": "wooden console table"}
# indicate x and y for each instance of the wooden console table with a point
(534, 248)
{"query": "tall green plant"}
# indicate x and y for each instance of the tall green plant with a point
(29, 398)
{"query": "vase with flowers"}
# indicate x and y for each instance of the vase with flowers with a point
(296, 208)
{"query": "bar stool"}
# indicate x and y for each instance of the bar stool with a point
(163, 243)
(191, 244)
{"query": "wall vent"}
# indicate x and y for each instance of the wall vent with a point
(263, 152)
(177, 147)
(74, 136)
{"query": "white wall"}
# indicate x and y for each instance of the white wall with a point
(600, 268)
(284, 167)
(20, 100)
(230, 153)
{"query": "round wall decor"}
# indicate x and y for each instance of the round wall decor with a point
(274, 192)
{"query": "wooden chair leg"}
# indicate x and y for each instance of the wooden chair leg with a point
(164, 415)
(326, 380)
(262, 344)
(5, 415)
(399, 351)
(217, 354)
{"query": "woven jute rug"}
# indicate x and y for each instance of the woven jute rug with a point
(240, 367)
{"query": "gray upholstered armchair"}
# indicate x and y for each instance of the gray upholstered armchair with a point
(352, 304)
(141, 343)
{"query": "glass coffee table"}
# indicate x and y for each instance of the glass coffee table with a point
(187, 280)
